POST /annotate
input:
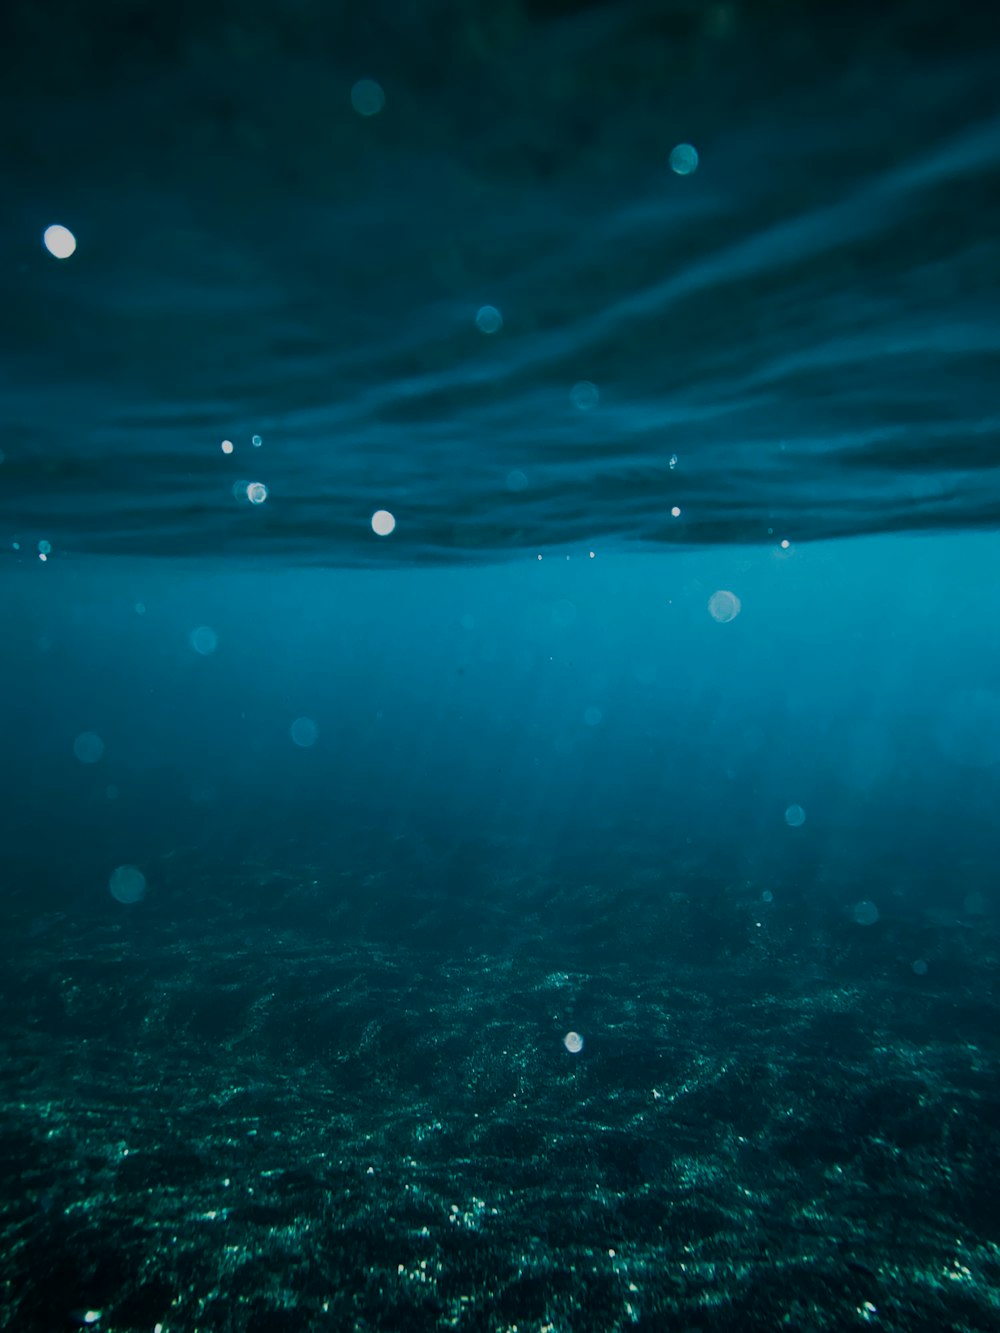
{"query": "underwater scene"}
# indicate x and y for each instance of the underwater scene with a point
(500, 576)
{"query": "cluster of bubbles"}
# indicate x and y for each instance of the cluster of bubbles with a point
(368, 99)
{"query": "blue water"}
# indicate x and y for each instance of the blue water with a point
(501, 710)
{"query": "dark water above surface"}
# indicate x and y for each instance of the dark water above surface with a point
(561, 913)
(807, 323)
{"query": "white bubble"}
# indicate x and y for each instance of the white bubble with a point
(304, 732)
(573, 1043)
(227, 446)
(383, 523)
(592, 716)
(88, 747)
(865, 912)
(256, 492)
(516, 480)
(128, 884)
(204, 640)
(489, 319)
(256, 441)
(675, 512)
(724, 606)
(367, 97)
(684, 159)
(795, 816)
(584, 395)
(767, 896)
(59, 241)
(672, 462)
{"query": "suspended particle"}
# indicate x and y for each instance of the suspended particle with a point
(584, 396)
(489, 319)
(367, 97)
(684, 159)
(59, 241)
(724, 606)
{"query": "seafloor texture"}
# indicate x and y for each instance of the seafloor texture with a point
(366, 1117)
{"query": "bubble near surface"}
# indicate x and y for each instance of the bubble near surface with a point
(584, 396)
(304, 732)
(684, 159)
(204, 640)
(489, 319)
(88, 747)
(724, 606)
(59, 241)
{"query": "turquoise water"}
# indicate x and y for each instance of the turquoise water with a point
(501, 712)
